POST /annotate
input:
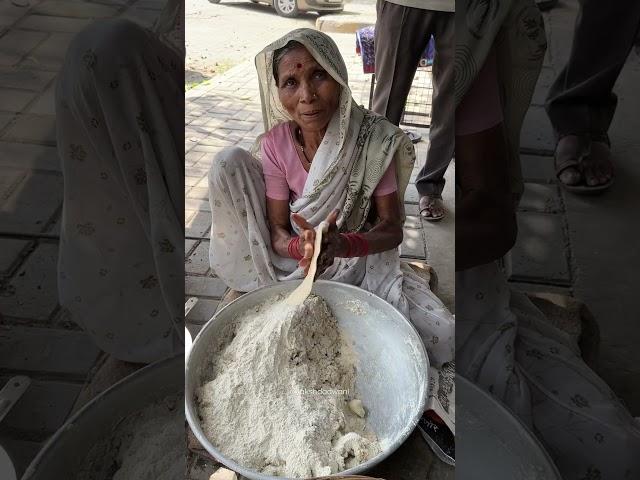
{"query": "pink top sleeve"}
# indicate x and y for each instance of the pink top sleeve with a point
(387, 183)
(275, 180)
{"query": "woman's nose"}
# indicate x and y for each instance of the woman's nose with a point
(308, 93)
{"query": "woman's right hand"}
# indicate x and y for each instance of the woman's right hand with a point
(307, 240)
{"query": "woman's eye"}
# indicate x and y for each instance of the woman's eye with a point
(290, 82)
(319, 74)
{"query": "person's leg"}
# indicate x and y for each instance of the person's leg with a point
(401, 35)
(581, 103)
(120, 132)
(430, 180)
(485, 210)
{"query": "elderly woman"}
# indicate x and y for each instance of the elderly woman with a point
(322, 157)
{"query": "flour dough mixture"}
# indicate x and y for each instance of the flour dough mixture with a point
(147, 445)
(276, 396)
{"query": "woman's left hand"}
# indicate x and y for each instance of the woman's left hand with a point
(333, 244)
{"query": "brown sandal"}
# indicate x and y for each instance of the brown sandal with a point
(429, 203)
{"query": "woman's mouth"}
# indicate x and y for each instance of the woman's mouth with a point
(312, 114)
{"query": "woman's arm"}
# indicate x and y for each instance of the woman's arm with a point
(387, 233)
(278, 217)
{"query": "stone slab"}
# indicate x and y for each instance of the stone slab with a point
(536, 168)
(541, 251)
(541, 198)
(15, 100)
(212, 288)
(39, 129)
(46, 102)
(50, 54)
(43, 408)
(10, 249)
(45, 23)
(29, 200)
(199, 225)
(45, 350)
(202, 312)
(32, 292)
(24, 78)
(537, 134)
(29, 156)
(198, 261)
(16, 44)
(75, 9)
(413, 244)
(5, 118)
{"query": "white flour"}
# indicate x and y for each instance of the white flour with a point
(276, 397)
(147, 445)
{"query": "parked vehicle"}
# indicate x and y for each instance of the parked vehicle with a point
(293, 8)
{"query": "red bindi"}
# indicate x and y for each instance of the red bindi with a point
(299, 65)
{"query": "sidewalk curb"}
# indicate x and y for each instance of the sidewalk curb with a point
(340, 24)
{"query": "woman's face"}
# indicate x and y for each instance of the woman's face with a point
(308, 93)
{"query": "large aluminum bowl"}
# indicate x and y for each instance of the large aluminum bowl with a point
(493, 443)
(65, 452)
(392, 365)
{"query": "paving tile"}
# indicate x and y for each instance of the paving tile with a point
(46, 102)
(29, 200)
(40, 129)
(542, 198)
(32, 292)
(10, 249)
(75, 9)
(50, 54)
(200, 193)
(204, 286)
(10, 13)
(188, 245)
(537, 134)
(5, 118)
(537, 168)
(45, 23)
(47, 350)
(411, 195)
(141, 16)
(198, 261)
(198, 225)
(15, 100)
(24, 78)
(202, 311)
(413, 244)
(16, 43)
(43, 408)
(540, 253)
(29, 156)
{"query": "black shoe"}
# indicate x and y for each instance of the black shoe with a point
(439, 438)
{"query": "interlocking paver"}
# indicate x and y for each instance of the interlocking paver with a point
(30, 128)
(44, 23)
(15, 100)
(32, 292)
(16, 43)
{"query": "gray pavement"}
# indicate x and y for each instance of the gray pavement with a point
(36, 337)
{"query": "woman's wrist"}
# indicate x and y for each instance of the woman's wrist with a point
(353, 245)
(294, 248)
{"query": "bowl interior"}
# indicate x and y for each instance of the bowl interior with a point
(391, 362)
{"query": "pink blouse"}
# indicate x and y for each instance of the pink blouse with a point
(284, 174)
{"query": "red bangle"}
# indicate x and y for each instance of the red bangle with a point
(294, 248)
(357, 245)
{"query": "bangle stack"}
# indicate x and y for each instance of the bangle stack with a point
(357, 245)
(294, 248)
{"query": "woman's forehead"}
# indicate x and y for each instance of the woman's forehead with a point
(298, 59)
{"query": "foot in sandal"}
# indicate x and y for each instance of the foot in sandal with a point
(583, 165)
(431, 208)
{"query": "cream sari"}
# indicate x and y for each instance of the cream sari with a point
(355, 152)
